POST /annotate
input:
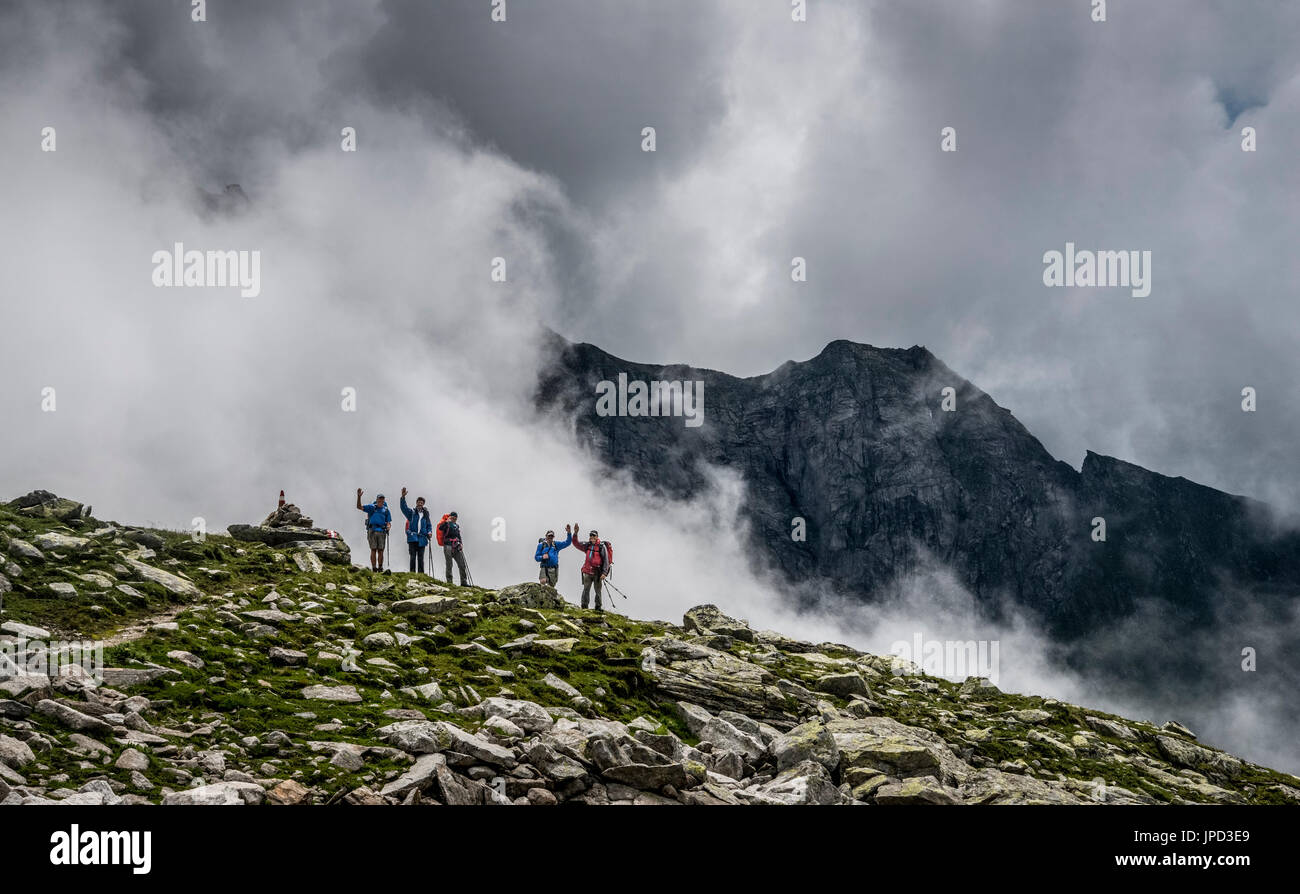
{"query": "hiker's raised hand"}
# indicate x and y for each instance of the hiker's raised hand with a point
(359, 492)
(403, 491)
(567, 529)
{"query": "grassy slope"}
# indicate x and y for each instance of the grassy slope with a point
(241, 688)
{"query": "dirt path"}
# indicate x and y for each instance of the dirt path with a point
(141, 626)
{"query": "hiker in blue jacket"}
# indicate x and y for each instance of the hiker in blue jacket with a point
(419, 528)
(378, 521)
(548, 556)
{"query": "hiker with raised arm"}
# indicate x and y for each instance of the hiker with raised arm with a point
(419, 529)
(595, 567)
(548, 556)
(378, 520)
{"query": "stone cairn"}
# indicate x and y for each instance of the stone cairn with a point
(287, 528)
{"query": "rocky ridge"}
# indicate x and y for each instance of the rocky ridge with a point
(275, 681)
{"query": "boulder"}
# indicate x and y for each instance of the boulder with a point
(287, 657)
(14, 753)
(560, 686)
(72, 718)
(990, 786)
(844, 685)
(923, 790)
(131, 759)
(331, 550)
(307, 562)
(53, 540)
(808, 741)
(43, 504)
(24, 550)
(26, 631)
(647, 776)
(709, 619)
(189, 659)
(288, 793)
(884, 744)
(528, 716)
(429, 737)
(722, 734)
(553, 765)
(419, 777)
(279, 536)
(718, 681)
(1032, 716)
(530, 595)
(563, 645)
(693, 716)
(540, 797)
(804, 783)
(381, 640)
(63, 590)
(147, 539)
(219, 793)
(501, 728)
(346, 694)
(165, 579)
(120, 677)
(427, 606)
(1197, 757)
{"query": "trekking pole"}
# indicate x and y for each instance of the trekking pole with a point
(468, 573)
(610, 585)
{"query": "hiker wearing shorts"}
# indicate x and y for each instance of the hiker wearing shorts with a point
(548, 556)
(378, 521)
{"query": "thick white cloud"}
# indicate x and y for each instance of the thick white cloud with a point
(776, 139)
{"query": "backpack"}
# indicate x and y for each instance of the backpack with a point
(609, 554)
(442, 528)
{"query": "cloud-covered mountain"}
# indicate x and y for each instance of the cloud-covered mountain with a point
(855, 447)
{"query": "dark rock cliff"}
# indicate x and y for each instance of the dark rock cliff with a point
(856, 443)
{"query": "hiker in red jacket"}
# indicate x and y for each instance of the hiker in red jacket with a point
(595, 568)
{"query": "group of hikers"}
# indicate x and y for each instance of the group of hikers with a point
(421, 531)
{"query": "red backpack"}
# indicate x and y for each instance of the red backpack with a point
(442, 530)
(593, 556)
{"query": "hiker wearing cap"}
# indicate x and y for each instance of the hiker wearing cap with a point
(548, 556)
(595, 568)
(449, 537)
(419, 528)
(378, 521)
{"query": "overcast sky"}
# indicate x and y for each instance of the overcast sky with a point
(775, 139)
(522, 140)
